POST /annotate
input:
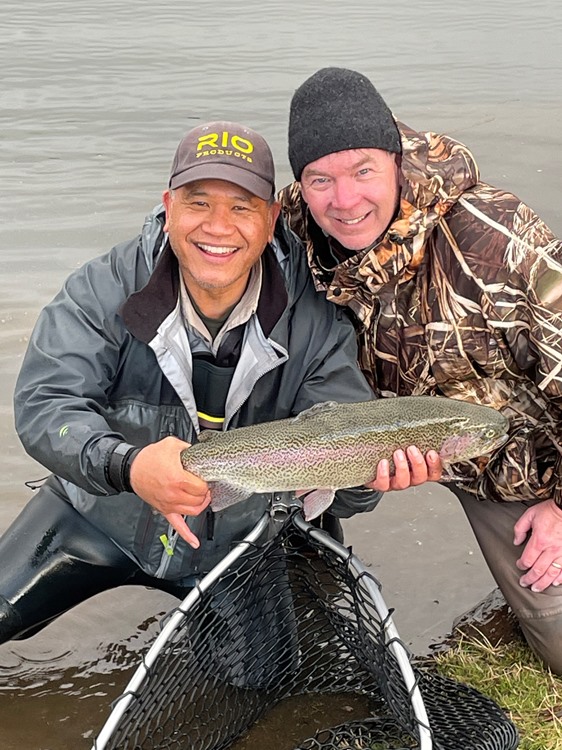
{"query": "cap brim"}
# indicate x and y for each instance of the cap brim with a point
(238, 176)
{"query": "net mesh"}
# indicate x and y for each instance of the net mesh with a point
(290, 616)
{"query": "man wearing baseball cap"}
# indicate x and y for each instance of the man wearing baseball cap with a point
(206, 320)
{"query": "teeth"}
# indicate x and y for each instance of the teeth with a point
(214, 250)
(352, 221)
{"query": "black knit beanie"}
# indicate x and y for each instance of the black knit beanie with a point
(334, 110)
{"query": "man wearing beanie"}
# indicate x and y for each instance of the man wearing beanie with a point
(206, 320)
(456, 290)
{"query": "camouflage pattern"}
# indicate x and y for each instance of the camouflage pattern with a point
(461, 297)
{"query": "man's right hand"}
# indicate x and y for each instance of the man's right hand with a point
(158, 478)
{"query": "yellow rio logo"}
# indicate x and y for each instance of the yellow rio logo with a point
(225, 140)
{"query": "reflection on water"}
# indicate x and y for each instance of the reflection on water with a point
(96, 95)
(65, 710)
(49, 699)
(63, 680)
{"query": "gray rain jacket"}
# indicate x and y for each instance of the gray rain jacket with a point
(109, 361)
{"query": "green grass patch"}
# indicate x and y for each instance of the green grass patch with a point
(513, 677)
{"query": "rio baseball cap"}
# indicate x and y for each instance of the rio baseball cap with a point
(228, 151)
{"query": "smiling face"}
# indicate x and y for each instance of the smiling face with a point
(352, 194)
(217, 231)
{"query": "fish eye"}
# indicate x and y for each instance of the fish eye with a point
(489, 433)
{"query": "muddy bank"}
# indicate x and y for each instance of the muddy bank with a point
(491, 620)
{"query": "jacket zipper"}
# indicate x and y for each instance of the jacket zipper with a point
(237, 408)
(169, 542)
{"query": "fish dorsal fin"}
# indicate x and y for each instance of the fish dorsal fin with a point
(313, 411)
(207, 435)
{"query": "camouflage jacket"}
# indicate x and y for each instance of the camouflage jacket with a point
(461, 297)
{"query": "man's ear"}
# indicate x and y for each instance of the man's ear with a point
(167, 199)
(274, 214)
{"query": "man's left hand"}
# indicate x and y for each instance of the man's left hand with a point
(410, 469)
(542, 556)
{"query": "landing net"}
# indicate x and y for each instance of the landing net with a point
(297, 613)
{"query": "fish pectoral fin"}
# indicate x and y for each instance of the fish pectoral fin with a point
(224, 494)
(324, 406)
(316, 502)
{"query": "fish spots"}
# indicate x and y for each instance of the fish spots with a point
(335, 446)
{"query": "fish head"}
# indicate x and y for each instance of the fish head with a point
(477, 434)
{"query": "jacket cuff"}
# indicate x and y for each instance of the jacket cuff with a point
(118, 466)
(348, 502)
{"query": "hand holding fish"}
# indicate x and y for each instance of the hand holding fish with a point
(542, 556)
(159, 479)
(411, 468)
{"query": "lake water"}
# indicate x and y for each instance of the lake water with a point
(94, 98)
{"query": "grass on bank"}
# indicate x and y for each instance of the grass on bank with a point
(511, 675)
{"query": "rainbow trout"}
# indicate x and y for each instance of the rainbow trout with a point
(333, 446)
